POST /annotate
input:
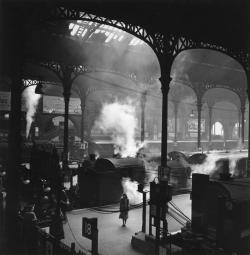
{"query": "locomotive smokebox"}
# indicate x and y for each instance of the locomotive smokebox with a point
(126, 167)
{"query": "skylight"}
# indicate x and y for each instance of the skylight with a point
(81, 28)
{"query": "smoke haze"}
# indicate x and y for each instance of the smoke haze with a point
(31, 101)
(130, 189)
(209, 166)
(119, 119)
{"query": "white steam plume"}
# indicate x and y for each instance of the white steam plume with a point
(31, 101)
(119, 119)
(209, 166)
(130, 189)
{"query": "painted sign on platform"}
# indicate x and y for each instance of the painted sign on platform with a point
(89, 227)
(193, 125)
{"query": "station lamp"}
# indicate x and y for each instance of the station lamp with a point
(192, 113)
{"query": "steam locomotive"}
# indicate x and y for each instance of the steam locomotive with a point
(220, 215)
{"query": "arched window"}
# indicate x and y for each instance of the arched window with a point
(217, 129)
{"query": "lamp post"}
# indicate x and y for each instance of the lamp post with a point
(140, 189)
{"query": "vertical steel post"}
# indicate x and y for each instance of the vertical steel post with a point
(239, 127)
(165, 79)
(95, 243)
(199, 107)
(248, 94)
(157, 232)
(144, 212)
(175, 120)
(14, 158)
(242, 109)
(13, 68)
(67, 83)
(210, 113)
(143, 104)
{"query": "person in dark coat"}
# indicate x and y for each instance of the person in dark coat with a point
(56, 226)
(124, 208)
(29, 229)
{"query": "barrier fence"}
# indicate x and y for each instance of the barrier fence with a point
(35, 240)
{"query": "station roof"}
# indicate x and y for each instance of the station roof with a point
(221, 22)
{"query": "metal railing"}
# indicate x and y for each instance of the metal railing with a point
(37, 241)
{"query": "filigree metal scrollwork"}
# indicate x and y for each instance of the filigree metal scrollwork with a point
(72, 14)
(60, 69)
(29, 82)
(160, 43)
(186, 43)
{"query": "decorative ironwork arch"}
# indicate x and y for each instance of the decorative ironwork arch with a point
(188, 44)
(202, 88)
(239, 91)
(161, 44)
(62, 13)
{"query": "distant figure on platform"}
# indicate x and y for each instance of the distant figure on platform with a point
(56, 226)
(64, 203)
(124, 208)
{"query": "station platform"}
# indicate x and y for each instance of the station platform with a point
(113, 238)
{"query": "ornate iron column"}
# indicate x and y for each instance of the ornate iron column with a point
(242, 109)
(176, 104)
(165, 81)
(14, 155)
(83, 94)
(248, 94)
(82, 119)
(143, 104)
(239, 128)
(66, 73)
(13, 70)
(67, 84)
(210, 112)
(199, 107)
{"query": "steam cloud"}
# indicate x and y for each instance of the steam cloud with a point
(31, 101)
(130, 188)
(119, 119)
(209, 166)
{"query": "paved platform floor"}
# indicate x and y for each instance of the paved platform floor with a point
(113, 238)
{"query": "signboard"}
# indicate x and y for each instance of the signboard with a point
(193, 125)
(89, 227)
(53, 104)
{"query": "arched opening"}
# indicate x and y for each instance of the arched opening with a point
(217, 130)
(216, 80)
(236, 131)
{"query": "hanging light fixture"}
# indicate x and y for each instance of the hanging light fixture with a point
(192, 113)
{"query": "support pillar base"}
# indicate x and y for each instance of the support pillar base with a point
(146, 244)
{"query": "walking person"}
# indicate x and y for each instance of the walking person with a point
(124, 208)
